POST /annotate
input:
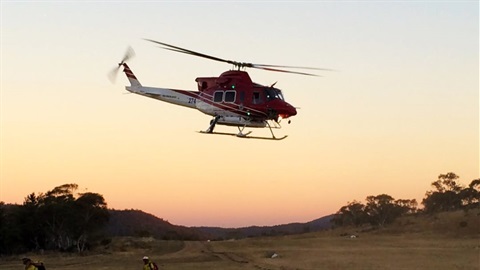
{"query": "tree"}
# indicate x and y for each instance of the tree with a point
(60, 219)
(381, 209)
(92, 216)
(406, 206)
(10, 238)
(447, 182)
(351, 214)
(29, 220)
(470, 196)
(57, 210)
(446, 197)
(3, 228)
(70, 220)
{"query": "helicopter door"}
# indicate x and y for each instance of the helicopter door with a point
(242, 97)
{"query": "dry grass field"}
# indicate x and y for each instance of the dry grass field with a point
(448, 243)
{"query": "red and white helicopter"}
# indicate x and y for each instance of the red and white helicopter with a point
(233, 99)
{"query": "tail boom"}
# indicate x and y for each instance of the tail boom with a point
(177, 97)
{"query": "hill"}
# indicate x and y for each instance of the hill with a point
(139, 223)
(217, 233)
(457, 223)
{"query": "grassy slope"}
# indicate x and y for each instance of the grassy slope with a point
(446, 241)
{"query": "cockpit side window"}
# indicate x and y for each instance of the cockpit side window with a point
(273, 93)
(279, 94)
(270, 94)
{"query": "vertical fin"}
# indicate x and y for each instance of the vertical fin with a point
(130, 76)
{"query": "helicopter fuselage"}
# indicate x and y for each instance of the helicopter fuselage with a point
(233, 97)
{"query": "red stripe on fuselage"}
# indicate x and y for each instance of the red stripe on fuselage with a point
(229, 107)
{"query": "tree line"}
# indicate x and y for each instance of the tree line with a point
(61, 219)
(447, 195)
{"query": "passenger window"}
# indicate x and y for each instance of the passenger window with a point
(230, 96)
(218, 96)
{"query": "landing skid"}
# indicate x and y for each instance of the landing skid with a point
(244, 135)
(240, 133)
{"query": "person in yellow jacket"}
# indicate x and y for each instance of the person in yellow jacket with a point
(30, 265)
(149, 265)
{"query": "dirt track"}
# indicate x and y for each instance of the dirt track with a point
(204, 252)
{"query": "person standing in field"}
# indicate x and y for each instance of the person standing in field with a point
(149, 265)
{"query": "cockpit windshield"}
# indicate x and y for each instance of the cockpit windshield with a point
(273, 93)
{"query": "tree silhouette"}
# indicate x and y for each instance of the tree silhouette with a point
(447, 182)
(59, 219)
(446, 197)
(351, 214)
(29, 220)
(10, 239)
(381, 209)
(92, 215)
(470, 196)
(57, 210)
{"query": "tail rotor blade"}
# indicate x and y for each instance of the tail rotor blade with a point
(112, 75)
(128, 54)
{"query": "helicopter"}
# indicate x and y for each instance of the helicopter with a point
(232, 98)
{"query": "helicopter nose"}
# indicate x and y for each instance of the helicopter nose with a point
(287, 110)
(291, 111)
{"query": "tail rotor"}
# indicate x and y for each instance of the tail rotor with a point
(112, 75)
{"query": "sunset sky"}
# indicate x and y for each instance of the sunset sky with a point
(401, 108)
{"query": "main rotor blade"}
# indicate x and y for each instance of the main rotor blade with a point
(285, 71)
(199, 55)
(238, 64)
(186, 51)
(297, 67)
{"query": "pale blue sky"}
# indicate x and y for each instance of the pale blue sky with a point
(401, 109)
